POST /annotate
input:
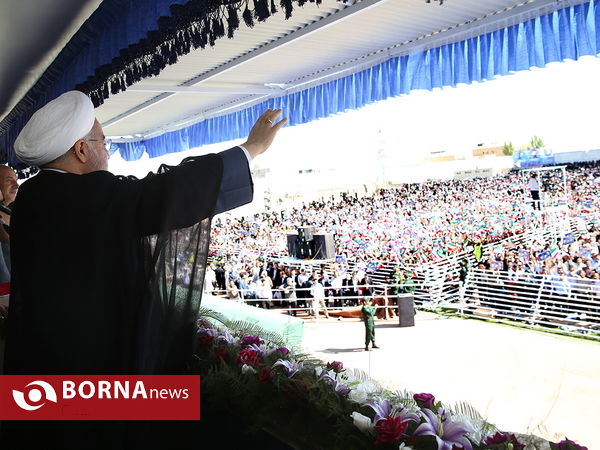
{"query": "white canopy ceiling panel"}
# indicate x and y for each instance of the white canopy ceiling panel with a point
(168, 113)
(316, 44)
(118, 104)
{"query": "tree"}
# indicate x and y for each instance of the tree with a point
(508, 149)
(536, 142)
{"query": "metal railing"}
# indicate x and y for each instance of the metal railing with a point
(571, 305)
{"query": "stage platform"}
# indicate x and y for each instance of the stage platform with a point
(521, 380)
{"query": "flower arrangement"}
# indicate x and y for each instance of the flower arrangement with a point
(309, 404)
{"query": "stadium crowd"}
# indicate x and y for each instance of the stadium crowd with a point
(408, 227)
(415, 224)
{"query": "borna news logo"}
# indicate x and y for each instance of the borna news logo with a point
(34, 399)
(92, 397)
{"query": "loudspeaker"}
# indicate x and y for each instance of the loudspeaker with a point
(292, 244)
(324, 246)
(406, 311)
(306, 233)
(299, 248)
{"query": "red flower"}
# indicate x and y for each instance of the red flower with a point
(251, 340)
(222, 353)
(205, 340)
(389, 430)
(249, 357)
(567, 444)
(336, 366)
(266, 374)
(504, 438)
(424, 400)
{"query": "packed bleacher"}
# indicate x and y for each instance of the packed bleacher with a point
(396, 234)
(413, 223)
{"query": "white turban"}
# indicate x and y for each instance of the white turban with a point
(53, 129)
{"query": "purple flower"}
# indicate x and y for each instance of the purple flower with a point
(383, 409)
(340, 388)
(424, 400)
(291, 367)
(448, 434)
(250, 340)
(257, 348)
(209, 331)
(284, 351)
(504, 438)
(568, 444)
(226, 338)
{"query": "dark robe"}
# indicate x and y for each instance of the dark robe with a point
(97, 285)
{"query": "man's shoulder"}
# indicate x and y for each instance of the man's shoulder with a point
(52, 177)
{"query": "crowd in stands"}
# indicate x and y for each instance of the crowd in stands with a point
(410, 226)
(414, 223)
(573, 256)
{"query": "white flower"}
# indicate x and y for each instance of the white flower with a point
(358, 394)
(363, 423)
(248, 369)
(318, 371)
(476, 427)
(370, 387)
(348, 377)
(403, 446)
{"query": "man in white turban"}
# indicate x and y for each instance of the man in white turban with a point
(97, 284)
(55, 128)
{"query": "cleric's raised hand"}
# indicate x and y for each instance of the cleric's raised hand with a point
(263, 132)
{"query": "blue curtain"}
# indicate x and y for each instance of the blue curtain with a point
(114, 26)
(568, 33)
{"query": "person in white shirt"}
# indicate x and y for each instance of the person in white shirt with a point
(264, 290)
(210, 279)
(317, 291)
(534, 189)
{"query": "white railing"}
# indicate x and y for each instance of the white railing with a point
(532, 300)
(571, 305)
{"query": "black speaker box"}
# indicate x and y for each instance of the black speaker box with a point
(306, 233)
(324, 246)
(291, 245)
(299, 248)
(406, 311)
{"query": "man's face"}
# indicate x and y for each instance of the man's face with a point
(99, 154)
(8, 184)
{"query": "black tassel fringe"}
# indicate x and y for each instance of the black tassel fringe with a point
(195, 24)
(287, 7)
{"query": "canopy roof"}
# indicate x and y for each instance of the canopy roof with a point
(273, 62)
